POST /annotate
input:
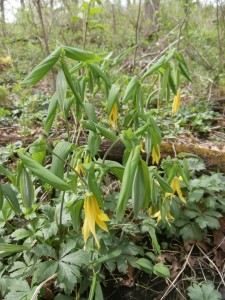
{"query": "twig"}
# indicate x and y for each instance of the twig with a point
(36, 292)
(160, 54)
(170, 288)
(218, 271)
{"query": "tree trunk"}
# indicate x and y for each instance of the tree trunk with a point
(151, 18)
(2, 19)
(22, 4)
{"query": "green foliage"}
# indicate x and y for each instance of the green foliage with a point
(205, 291)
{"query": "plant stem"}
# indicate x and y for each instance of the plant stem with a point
(60, 215)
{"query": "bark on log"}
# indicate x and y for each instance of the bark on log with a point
(214, 160)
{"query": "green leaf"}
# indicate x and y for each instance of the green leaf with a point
(154, 68)
(62, 149)
(67, 276)
(4, 247)
(111, 255)
(98, 292)
(114, 167)
(44, 250)
(20, 234)
(77, 258)
(11, 196)
(95, 69)
(19, 289)
(1, 198)
(163, 184)
(61, 88)
(81, 55)
(107, 133)
(45, 175)
(120, 57)
(145, 265)
(204, 292)
(93, 286)
(130, 89)
(26, 189)
(51, 113)
(196, 195)
(45, 270)
(94, 142)
(138, 189)
(38, 150)
(127, 182)
(8, 174)
(40, 70)
(75, 212)
(112, 97)
(90, 112)
(161, 270)
(207, 221)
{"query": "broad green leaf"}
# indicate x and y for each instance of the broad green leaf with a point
(26, 189)
(81, 55)
(8, 174)
(145, 265)
(4, 247)
(138, 189)
(38, 150)
(77, 258)
(206, 291)
(161, 270)
(20, 234)
(154, 68)
(109, 134)
(62, 150)
(67, 276)
(44, 270)
(40, 70)
(44, 250)
(11, 196)
(112, 97)
(61, 88)
(114, 167)
(90, 112)
(95, 69)
(75, 212)
(19, 290)
(130, 89)
(44, 174)
(98, 292)
(94, 142)
(127, 182)
(51, 113)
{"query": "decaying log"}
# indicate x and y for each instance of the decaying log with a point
(213, 159)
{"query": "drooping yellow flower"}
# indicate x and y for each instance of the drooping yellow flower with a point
(80, 170)
(93, 215)
(155, 156)
(176, 104)
(113, 115)
(158, 215)
(175, 185)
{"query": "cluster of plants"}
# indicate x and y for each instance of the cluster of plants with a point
(69, 217)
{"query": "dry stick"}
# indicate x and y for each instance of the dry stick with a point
(218, 271)
(37, 291)
(170, 288)
(136, 33)
(177, 289)
(161, 53)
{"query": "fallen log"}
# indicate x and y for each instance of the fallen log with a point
(213, 159)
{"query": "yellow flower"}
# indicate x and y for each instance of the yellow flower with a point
(80, 169)
(5, 60)
(155, 156)
(113, 115)
(93, 215)
(176, 103)
(158, 215)
(175, 185)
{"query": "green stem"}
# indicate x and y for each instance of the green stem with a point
(71, 167)
(60, 215)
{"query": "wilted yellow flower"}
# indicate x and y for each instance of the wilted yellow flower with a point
(93, 215)
(175, 185)
(113, 115)
(158, 215)
(176, 103)
(155, 156)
